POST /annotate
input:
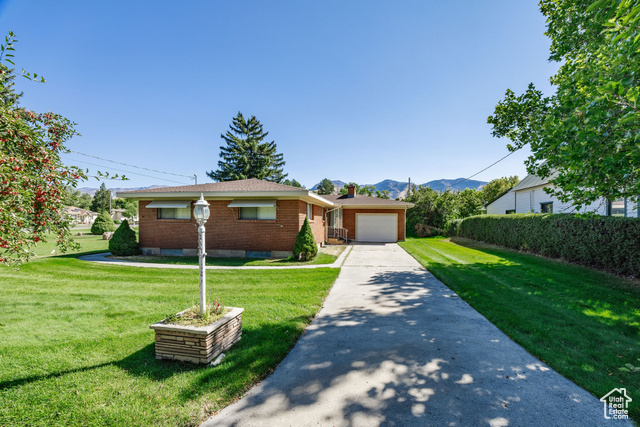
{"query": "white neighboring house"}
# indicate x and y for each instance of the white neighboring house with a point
(528, 196)
(81, 216)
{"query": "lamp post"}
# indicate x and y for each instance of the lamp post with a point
(201, 214)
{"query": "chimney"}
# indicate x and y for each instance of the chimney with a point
(351, 191)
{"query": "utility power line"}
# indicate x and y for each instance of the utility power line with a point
(133, 173)
(131, 166)
(478, 173)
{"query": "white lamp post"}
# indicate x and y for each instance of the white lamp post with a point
(201, 214)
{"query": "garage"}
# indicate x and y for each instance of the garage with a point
(376, 227)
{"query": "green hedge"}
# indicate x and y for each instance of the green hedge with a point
(610, 243)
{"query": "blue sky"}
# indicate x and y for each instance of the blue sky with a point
(353, 90)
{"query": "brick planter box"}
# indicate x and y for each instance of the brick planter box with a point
(198, 344)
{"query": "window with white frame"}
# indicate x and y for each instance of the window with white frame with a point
(546, 207)
(174, 213)
(310, 211)
(257, 213)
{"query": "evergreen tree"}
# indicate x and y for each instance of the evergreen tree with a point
(246, 155)
(124, 242)
(101, 199)
(326, 187)
(102, 224)
(305, 247)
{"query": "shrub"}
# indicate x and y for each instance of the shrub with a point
(609, 243)
(451, 227)
(305, 247)
(423, 230)
(102, 224)
(124, 242)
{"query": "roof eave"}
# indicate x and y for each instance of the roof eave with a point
(373, 206)
(194, 195)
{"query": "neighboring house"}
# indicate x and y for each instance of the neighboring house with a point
(259, 218)
(117, 214)
(529, 196)
(81, 216)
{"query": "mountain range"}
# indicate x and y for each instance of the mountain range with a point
(398, 189)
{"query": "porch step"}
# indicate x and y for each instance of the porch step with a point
(334, 241)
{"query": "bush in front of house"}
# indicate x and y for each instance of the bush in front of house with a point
(609, 243)
(124, 242)
(102, 224)
(305, 247)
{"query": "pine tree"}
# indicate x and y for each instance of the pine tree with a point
(124, 242)
(246, 155)
(305, 247)
(101, 199)
(102, 224)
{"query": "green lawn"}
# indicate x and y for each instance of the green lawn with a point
(321, 258)
(88, 243)
(583, 323)
(77, 349)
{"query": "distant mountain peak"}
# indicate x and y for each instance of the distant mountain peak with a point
(398, 189)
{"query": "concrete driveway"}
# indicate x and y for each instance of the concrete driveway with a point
(393, 346)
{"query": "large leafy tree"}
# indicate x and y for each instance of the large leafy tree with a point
(101, 199)
(76, 198)
(32, 177)
(434, 208)
(365, 190)
(130, 207)
(494, 188)
(589, 130)
(326, 187)
(247, 155)
(292, 182)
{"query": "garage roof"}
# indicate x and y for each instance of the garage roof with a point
(360, 201)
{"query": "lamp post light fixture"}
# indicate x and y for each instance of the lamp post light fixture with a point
(201, 214)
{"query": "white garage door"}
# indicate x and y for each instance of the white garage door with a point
(376, 227)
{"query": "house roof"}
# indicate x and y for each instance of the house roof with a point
(530, 181)
(77, 210)
(360, 201)
(243, 185)
(245, 188)
(498, 197)
(256, 188)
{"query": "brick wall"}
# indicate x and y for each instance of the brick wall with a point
(349, 220)
(165, 233)
(316, 223)
(224, 231)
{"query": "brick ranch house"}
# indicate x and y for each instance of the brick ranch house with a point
(258, 218)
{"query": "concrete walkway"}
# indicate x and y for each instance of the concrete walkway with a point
(102, 258)
(393, 346)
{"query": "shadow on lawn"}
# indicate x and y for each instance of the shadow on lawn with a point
(259, 349)
(141, 363)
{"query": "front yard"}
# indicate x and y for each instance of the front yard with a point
(77, 348)
(583, 323)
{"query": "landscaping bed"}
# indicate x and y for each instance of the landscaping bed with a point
(583, 323)
(325, 256)
(77, 348)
